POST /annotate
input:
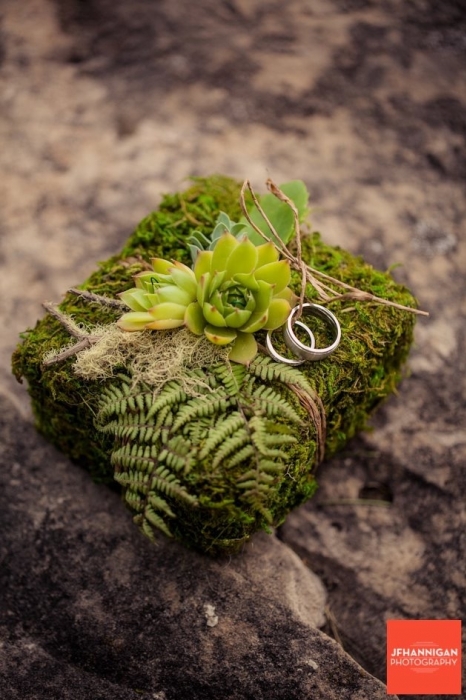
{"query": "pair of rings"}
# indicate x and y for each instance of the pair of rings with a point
(300, 350)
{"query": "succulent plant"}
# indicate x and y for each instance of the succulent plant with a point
(234, 290)
(198, 241)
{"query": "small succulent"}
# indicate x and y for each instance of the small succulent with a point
(198, 241)
(234, 290)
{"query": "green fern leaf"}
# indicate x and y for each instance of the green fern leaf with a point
(274, 372)
(154, 519)
(159, 503)
(270, 403)
(170, 395)
(243, 454)
(235, 443)
(206, 405)
(224, 428)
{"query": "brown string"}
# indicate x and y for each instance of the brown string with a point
(315, 408)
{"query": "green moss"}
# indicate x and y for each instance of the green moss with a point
(364, 370)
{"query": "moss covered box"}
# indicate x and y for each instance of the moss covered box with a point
(211, 456)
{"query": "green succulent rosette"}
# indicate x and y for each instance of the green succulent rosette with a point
(234, 290)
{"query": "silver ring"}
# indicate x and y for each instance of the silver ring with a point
(310, 352)
(279, 358)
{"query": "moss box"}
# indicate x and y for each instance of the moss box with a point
(212, 460)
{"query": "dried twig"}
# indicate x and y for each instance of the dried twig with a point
(283, 198)
(85, 339)
(310, 274)
(278, 241)
(99, 299)
(314, 406)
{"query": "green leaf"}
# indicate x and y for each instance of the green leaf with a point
(185, 279)
(203, 287)
(171, 293)
(279, 310)
(199, 240)
(202, 264)
(165, 324)
(279, 213)
(246, 280)
(256, 322)
(216, 281)
(167, 315)
(237, 229)
(264, 296)
(244, 349)
(146, 281)
(161, 266)
(277, 273)
(136, 299)
(287, 294)
(212, 315)
(243, 259)
(194, 318)
(220, 336)
(237, 318)
(134, 321)
(222, 250)
(216, 300)
(168, 310)
(267, 253)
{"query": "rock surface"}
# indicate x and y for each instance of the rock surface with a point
(104, 105)
(92, 609)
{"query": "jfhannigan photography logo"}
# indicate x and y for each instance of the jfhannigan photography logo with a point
(424, 657)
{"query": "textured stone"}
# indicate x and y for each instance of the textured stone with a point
(90, 608)
(362, 100)
(386, 531)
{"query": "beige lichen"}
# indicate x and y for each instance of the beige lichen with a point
(152, 358)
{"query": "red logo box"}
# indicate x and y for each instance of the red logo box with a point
(424, 657)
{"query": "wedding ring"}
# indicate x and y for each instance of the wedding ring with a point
(279, 358)
(310, 352)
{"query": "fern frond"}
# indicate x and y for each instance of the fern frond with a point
(231, 376)
(266, 513)
(263, 441)
(146, 529)
(244, 453)
(257, 480)
(170, 395)
(271, 440)
(133, 479)
(159, 503)
(235, 443)
(224, 428)
(167, 483)
(202, 406)
(274, 372)
(269, 466)
(270, 403)
(134, 500)
(198, 431)
(178, 454)
(238, 421)
(154, 519)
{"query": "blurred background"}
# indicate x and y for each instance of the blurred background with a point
(107, 104)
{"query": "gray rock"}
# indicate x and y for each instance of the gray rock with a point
(386, 531)
(365, 102)
(91, 609)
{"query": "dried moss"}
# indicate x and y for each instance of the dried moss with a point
(364, 370)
